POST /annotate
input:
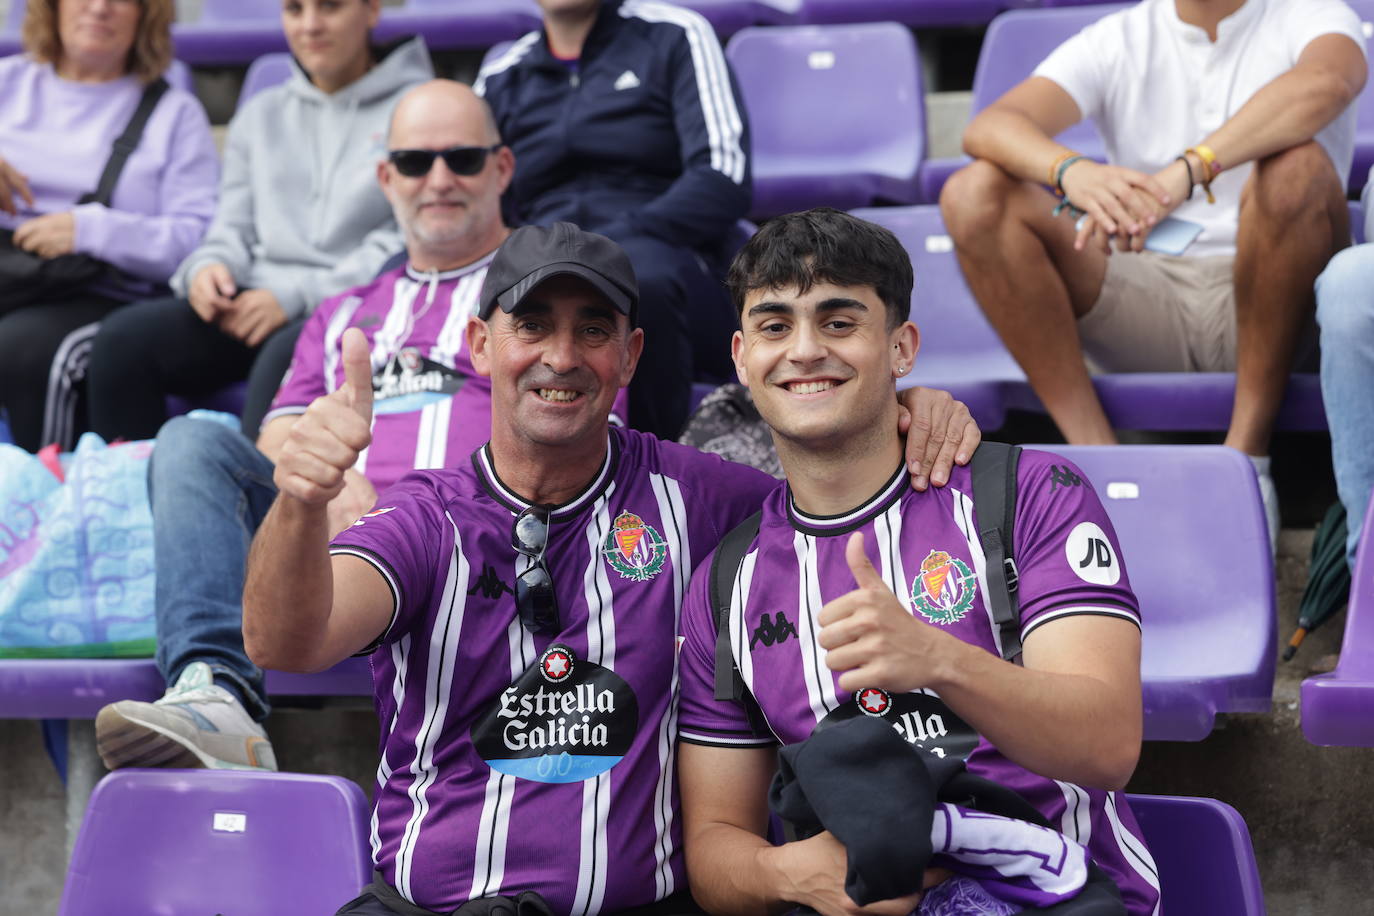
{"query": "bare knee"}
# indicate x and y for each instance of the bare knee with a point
(974, 201)
(1292, 185)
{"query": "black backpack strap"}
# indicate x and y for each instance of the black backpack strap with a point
(725, 565)
(126, 143)
(994, 505)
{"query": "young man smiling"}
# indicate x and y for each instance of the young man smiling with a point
(884, 589)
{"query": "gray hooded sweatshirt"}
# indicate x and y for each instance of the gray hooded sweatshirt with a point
(300, 212)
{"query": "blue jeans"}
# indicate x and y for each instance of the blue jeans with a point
(1345, 311)
(210, 488)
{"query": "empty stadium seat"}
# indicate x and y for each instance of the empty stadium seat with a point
(1338, 708)
(263, 73)
(446, 25)
(922, 13)
(729, 16)
(837, 114)
(1015, 44)
(959, 349)
(218, 841)
(1203, 851)
(1196, 548)
(230, 32)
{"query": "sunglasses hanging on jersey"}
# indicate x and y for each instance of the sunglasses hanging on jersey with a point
(461, 160)
(534, 587)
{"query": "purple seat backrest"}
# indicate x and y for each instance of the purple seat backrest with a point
(912, 12)
(264, 72)
(1196, 548)
(957, 343)
(14, 18)
(864, 79)
(1016, 43)
(267, 11)
(178, 76)
(218, 841)
(1364, 116)
(1205, 858)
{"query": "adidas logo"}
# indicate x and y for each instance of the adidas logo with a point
(627, 80)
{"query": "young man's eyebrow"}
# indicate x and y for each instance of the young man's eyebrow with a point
(769, 308)
(837, 303)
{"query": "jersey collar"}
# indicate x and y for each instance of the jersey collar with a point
(854, 519)
(492, 483)
(424, 276)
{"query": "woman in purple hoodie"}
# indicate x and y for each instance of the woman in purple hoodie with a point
(62, 104)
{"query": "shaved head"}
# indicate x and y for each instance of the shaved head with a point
(446, 99)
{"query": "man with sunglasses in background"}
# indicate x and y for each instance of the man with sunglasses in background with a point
(210, 486)
(520, 608)
(629, 124)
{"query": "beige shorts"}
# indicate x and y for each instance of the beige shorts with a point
(1160, 313)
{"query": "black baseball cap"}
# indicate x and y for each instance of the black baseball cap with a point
(533, 254)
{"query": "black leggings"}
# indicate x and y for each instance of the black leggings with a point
(152, 349)
(29, 339)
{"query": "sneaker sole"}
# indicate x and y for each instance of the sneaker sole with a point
(124, 741)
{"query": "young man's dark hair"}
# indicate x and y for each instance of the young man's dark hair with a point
(827, 246)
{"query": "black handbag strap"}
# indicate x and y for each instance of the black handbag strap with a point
(994, 503)
(125, 144)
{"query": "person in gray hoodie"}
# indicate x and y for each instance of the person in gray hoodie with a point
(300, 218)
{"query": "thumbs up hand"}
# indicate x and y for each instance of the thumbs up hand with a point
(327, 439)
(873, 639)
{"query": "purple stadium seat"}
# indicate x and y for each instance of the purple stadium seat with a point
(76, 688)
(9, 35)
(959, 349)
(729, 16)
(1015, 44)
(1203, 851)
(230, 32)
(1364, 118)
(922, 13)
(263, 73)
(1196, 547)
(1338, 708)
(218, 841)
(447, 25)
(869, 144)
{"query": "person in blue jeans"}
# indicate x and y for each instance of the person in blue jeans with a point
(1345, 313)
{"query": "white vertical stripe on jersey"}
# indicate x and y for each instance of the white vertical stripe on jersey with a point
(443, 651)
(672, 510)
(431, 439)
(400, 653)
(1133, 851)
(820, 686)
(596, 793)
(887, 530)
(963, 517)
(739, 633)
(389, 339)
(333, 350)
(462, 302)
(1076, 823)
(493, 830)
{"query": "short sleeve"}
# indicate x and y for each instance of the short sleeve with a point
(702, 719)
(1312, 19)
(1082, 65)
(305, 379)
(403, 539)
(1068, 558)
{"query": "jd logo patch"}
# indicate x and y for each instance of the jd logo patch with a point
(634, 549)
(944, 590)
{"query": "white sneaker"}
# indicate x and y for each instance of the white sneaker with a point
(195, 724)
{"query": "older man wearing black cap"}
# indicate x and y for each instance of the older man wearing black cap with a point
(521, 609)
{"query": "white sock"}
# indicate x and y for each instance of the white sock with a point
(1261, 463)
(1269, 496)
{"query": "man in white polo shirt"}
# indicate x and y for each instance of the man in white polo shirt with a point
(1235, 116)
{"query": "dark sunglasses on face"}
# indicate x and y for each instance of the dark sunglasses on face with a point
(534, 587)
(461, 160)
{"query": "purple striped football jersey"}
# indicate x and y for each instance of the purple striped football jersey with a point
(926, 548)
(430, 409)
(513, 761)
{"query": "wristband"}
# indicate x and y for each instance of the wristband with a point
(1191, 181)
(1210, 168)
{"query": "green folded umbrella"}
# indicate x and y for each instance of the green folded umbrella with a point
(1328, 579)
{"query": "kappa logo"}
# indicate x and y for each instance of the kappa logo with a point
(626, 80)
(556, 664)
(943, 591)
(873, 701)
(634, 549)
(1063, 478)
(490, 584)
(772, 631)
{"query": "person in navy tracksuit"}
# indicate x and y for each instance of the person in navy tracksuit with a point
(625, 120)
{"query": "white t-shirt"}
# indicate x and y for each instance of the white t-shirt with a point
(1156, 86)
